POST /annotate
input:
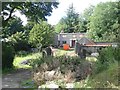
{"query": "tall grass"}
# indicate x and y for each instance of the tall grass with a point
(106, 69)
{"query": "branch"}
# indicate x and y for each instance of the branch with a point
(4, 22)
(10, 14)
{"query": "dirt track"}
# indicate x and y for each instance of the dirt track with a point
(13, 79)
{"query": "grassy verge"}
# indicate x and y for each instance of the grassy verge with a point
(19, 59)
(7, 70)
(28, 84)
(106, 79)
(61, 52)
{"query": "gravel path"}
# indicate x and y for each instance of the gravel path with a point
(13, 79)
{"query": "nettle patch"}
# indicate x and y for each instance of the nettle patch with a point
(65, 68)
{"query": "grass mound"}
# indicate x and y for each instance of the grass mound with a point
(106, 79)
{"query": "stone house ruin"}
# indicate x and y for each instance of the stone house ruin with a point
(86, 46)
(68, 38)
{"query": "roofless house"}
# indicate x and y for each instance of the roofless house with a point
(85, 45)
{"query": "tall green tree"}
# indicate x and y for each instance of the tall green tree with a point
(74, 22)
(88, 12)
(104, 25)
(71, 21)
(61, 26)
(82, 24)
(33, 10)
(41, 34)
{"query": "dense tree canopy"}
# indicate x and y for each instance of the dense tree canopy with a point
(33, 10)
(82, 23)
(88, 12)
(104, 23)
(14, 25)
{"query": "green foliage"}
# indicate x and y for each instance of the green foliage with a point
(7, 70)
(106, 58)
(8, 54)
(22, 56)
(41, 33)
(65, 67)
(106, 79)
(100, 67)
(104, 22)
(33, 10)
(82, 23)
(117, 53)
(63, 61)
(19, 41)
(106, 55)
(72, 20)
(60, 26)
(85, 19)
(88, 12)
(29, 84)
(39, 10)
(22, 53)
(14, 25)
(70, 23)
(29, 27)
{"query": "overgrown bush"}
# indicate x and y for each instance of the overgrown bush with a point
(63, 60)
(68, 69)
(117, 54)
(41, 34)
(107, 55)
(106, 58)
(20, 41)
(8, 54)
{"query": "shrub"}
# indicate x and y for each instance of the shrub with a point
(65, 68)
(99, 67)
(8, 54)
(106, 55)
(117, 54)
(19, 41)
(106, 58)
(41, 33)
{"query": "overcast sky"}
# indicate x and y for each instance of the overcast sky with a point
(59, 12)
